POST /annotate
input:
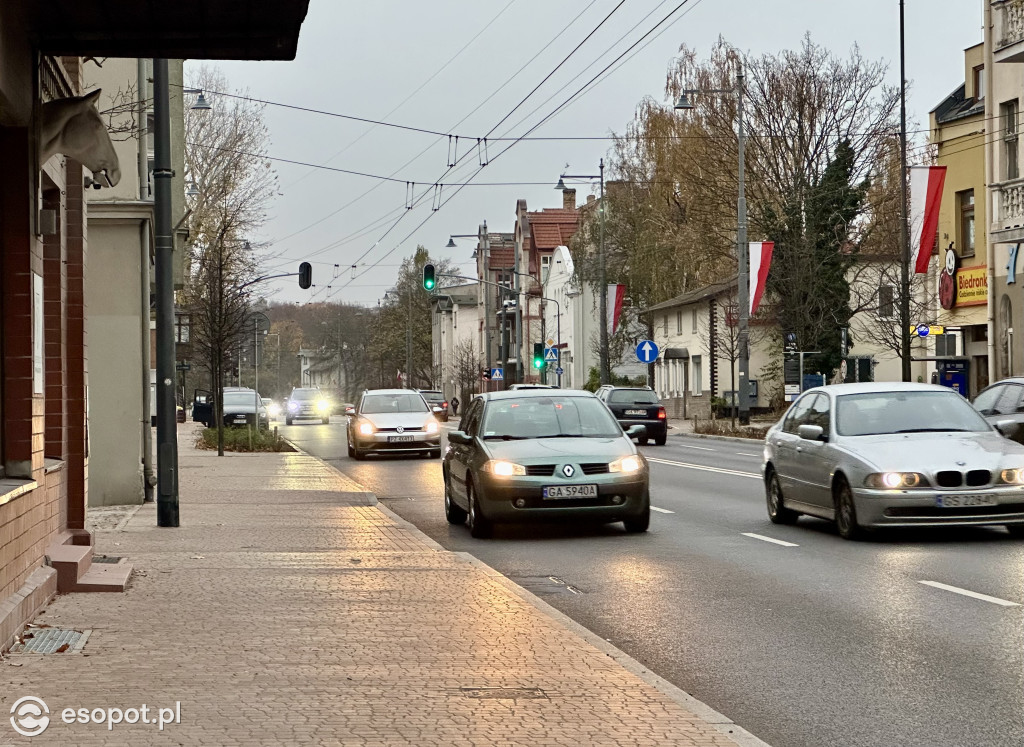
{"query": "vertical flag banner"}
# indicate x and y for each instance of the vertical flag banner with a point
(616, 294)
(925, 195)
(760, 260)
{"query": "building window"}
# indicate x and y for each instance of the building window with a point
(696, 387)
(545, 266)
(886, 301)
(1008, 120)
(665, 325)
(694, 319)
(945, 345)
(965, 201)
(979, 82)
(679, 322)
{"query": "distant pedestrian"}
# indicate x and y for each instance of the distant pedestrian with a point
(455, 406)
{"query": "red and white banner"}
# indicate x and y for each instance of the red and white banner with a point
(616, 295)
(760, 261)
(925, 196)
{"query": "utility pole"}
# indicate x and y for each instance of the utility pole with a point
(408, 345)
(743, 292)
(166, 420)
(904, 227)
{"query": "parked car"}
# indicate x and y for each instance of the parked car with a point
(307, 403)
(240, 407)
(393, 421)
(632, 405)
(887, 454)
(1004, 400)
(543, 455)
(438, 404)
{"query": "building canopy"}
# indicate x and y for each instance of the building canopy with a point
(182, 29)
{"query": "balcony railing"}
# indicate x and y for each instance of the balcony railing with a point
(1011, 204)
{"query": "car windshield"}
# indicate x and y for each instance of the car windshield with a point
(433, 396)
(240, 398)
(905, 412)
(548, 417)
(632, 397)
(305, 394)
(376, 404)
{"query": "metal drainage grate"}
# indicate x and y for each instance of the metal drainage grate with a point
(106, 559)
(504, 693)
(51, 641)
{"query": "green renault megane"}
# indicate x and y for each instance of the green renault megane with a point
(544, 454)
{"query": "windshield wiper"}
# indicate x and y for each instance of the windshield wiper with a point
(931, 430)
(504, 437)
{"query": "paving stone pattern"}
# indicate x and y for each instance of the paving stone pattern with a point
(289, 610)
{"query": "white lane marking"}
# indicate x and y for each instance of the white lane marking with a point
(661, 510)
(972, 594)
(704, 468)
(699, 448)
(769, 539)
(746, 453)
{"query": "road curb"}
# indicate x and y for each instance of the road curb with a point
(716, 720)
(713, 437)
(371, 498)
(698, 708)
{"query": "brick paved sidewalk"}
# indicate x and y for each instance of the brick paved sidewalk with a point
(288, 609)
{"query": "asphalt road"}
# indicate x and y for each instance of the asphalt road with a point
(800, 637)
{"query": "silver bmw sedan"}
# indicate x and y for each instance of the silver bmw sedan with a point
(888, 454)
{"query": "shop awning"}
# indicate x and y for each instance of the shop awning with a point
(174, 29)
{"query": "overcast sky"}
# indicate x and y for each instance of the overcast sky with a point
(433, 65)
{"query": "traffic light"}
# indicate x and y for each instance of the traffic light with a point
(305, 275)
(538, 355)
(429, 277)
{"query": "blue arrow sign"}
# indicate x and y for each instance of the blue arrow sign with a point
(646, 351)
(551, 354)
(496, 374)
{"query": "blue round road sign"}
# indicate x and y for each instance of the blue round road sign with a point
(559, 371)
(922, 330)
(646, 351)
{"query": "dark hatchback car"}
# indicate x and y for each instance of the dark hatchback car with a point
(438, 404)
(1003, 400)
(637, 406)
(240, 407)
(543, 455)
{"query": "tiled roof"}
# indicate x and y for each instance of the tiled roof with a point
(502, 258)
(552, 227)
(957, 106)
(708, 291)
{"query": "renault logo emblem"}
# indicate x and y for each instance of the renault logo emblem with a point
(568, 471)
(400, 429)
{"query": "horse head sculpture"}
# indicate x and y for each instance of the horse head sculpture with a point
(73, 127)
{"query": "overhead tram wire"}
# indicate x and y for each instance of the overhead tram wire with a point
(464, 118)
(534, 127)
(473, 38)
(448, 170)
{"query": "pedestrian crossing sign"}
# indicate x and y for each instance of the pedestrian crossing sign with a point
(496, 374)
(551, 354)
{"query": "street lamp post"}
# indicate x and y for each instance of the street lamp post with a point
(743, 262)
(602, 269)
(408, 337)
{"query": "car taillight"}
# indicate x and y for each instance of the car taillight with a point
(444, 404)
(661, 413)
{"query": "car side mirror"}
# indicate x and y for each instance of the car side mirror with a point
(811, 433)
(350, 411)
(459, 437)
(636, 431)
(1007, 428)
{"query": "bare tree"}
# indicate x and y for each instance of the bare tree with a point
(720, 336)
(466, 366)
(225, 158)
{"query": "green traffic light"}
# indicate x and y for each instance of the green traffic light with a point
(428, 284)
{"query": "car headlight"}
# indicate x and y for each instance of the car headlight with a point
(274, 410)
(896, 480)
(323, 405)
(293, 406)
(503, 469)
(431, 427)
(626, 465)
(1012, 476)
(366, 429)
